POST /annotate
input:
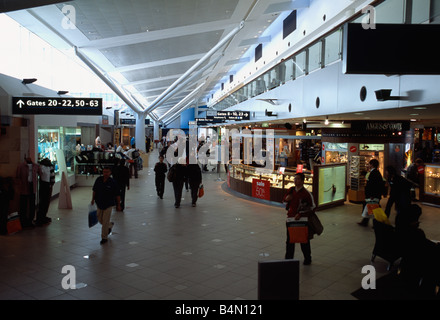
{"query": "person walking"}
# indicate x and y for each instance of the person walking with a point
(179, 179)
(132, 156)
(47, 180)
(121, 174)
(194, 175)
(300, 203)
(400, 193)
(374, 189)
(415, 175)
(160, 168)
(27, 175)
(105, 193)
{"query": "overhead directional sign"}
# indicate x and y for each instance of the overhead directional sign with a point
(61, 106)
(205, 121)
(228, 115)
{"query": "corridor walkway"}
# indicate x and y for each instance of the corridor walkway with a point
(209, 252)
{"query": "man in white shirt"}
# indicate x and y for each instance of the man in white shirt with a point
(133, 161)
(47, 180)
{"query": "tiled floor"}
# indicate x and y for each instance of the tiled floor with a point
(158, 252)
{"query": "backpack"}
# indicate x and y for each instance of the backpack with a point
(171, 176)
(135, 154)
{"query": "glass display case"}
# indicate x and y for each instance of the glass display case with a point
(51, 139)
(431, 190)
(329, 184)
(281, 179)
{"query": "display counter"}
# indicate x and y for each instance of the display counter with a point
(431, 184)
(325, 182)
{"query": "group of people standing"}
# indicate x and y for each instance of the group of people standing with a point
(400, 191)
(31, 178)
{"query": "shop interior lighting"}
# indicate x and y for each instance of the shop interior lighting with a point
(29, 80)
(326, 121)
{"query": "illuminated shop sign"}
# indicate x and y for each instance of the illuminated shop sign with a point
(380, 126)
(59, 106)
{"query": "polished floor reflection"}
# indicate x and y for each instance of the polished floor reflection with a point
(208, 252)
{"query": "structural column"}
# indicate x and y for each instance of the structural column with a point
(156, 131)
(140, 131)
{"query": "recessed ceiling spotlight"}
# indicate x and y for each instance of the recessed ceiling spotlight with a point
(420, 108)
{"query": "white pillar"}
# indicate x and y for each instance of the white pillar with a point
(140, 131)
(156, 130)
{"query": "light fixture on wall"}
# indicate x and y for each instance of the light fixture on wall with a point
(326, 121)
(270, 113)
(385, 95)
(29, 80)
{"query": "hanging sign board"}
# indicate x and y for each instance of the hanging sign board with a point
(228, 115)
(58, 106)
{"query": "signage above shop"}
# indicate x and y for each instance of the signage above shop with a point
(228, 115)
(380, 126)
(58, 106)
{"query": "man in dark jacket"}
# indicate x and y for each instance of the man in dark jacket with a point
(400, 193)
(121, 174)
(160, 169)
(194, 175)
(374, 188)
(106, 195)
(179, 180)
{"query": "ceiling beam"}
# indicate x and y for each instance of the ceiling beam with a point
(196, 65)
(178, 106)
(108, 81)
(148, 36)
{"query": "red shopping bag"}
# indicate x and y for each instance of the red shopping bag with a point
(201, 191)
(371, 207)
(13, 224)
(298, 231)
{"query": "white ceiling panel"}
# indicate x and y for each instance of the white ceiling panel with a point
(150, 47)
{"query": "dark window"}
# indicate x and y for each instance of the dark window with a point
(289, 24)
(258, 52)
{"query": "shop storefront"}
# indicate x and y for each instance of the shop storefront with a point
(51, 138)
(388, 142)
